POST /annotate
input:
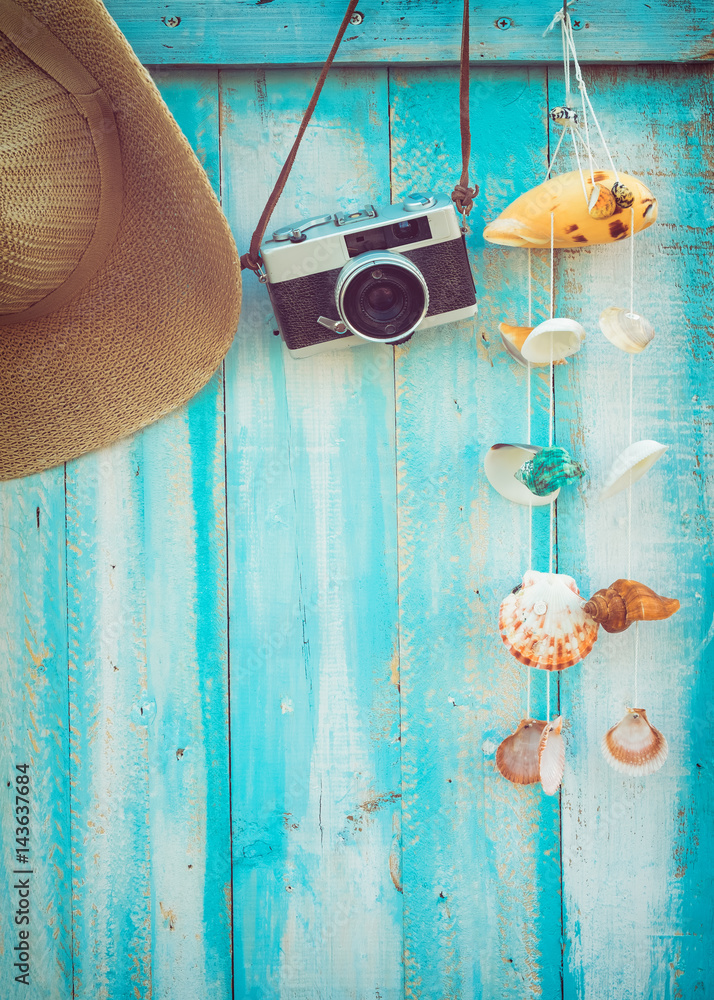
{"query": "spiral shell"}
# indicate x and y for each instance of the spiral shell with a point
(627, 601)
(551, 756)
(634, 746)
(601, 202)
(548, 470)
(622, 194)
(517, 757)
(628, 331)
(543, 624)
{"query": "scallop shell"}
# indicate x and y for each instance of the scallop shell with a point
(502, 462)
(622, 194)
(551, 756)
(526, 221)
(601, 202)
(550, 469)
(517, 757)
(627, 601)
(557, 338)
(634, 746)
(631, 465)
(626, 330)
(513, 338)
(564, 116)
(543, 624)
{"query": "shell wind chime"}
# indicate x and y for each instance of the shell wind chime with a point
(544, 622)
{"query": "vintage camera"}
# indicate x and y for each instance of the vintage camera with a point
(371, 275)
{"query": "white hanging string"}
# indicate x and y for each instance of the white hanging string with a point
(629, 485)
(632, 260)
(637, 656)
(557, 150)
(547, 698)
(551, 406)
(580, 168)
(528, 418)
(528, 706)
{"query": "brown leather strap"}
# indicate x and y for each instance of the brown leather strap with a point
(462, 194)
(252, 258)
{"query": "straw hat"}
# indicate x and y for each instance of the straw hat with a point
(119, 278)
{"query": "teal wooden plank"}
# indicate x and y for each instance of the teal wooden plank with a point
(481, 860)
(637, 853)
(313, 590)
(147, 574)
(33, 731)
(402, 31)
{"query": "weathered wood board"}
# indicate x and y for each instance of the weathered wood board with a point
(270, 32)
(251, 653)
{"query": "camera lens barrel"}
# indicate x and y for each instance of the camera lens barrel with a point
(382, 296)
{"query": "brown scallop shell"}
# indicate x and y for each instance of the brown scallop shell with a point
(634, 746)
(551, 756)
(627, 601)
(517, 756)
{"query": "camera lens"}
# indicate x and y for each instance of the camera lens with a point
(385, 302)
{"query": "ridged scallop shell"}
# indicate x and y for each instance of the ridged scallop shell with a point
(555, 338)
(551, 756)
(601, 203)
(634, 746)
(517, 757)
(628, 331)
(631, 465)
(526, 221)
(543, 624)
(548, 470)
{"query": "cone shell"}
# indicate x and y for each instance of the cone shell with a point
(627, 601)
(526, 221)
(626, 330)
(601, 203)
(543, 624)
(551, 756)
(564, 116)
(557, 338)
(631, 465)
(634, 746)
(550, 469)
(517, 757)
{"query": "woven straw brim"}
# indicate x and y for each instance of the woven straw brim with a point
(148, 330)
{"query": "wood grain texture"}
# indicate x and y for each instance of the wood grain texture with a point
(313, 589)
(481, 864)
(244, 32)
(148, 673)
(33, 730)
(636, 853)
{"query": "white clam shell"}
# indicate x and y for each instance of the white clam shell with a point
(628, 331)
(502, 462)
(542, 622)
(556, 337)
(634, 746)
(631, 465)
(551, 755)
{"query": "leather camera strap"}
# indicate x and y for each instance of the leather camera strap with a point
(462, 194)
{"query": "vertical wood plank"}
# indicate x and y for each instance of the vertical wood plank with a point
(313, 595)
(33, 731)
(637, 852)
(481, 856)
(148, 677)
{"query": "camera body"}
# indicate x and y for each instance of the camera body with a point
(369, 276)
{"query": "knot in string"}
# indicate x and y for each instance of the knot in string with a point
(463, 197)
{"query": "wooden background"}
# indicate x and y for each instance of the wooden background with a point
(251, 653)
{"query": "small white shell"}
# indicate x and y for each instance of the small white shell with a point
(501, 464)
(551, 755)
(631, 465)
(556, 338)
(634, 746)
(626, 330)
